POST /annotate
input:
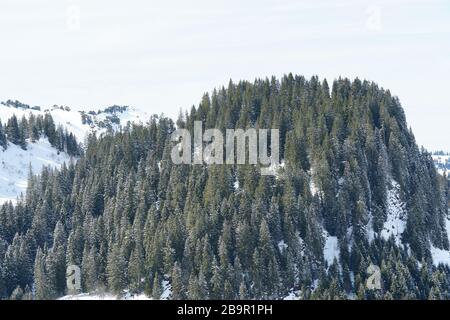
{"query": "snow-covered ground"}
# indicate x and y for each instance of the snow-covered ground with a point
(105, 296)
(331, 249)
(166, 294)
(72, 119)
(282, 246)
(167, 290)
(126, 295)
(275, 169)
(395, 224)
(15, 164)
(441, 256)
(312, 184)
(293, 295)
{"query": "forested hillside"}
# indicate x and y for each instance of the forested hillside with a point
(26, 144)
(32, 128)
(354, 190)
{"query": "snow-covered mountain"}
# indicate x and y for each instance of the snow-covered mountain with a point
(15, 162)
(80, 123)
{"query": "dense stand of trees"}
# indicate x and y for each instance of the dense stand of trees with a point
(19, 131)
(131, 219)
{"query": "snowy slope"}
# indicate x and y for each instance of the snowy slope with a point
(331, 249)
(126, 295)
(15, 162)
(395, 224)
(95, 121)
(105, 296)
(441, 256)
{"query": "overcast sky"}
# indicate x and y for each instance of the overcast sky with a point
(162, 56)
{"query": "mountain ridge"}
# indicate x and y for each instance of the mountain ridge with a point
(79, 122)
(15, 162)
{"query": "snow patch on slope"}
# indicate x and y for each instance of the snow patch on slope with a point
(293, 295)
(275, 169)
(105, 296)
(331, 249)
(126, 295)
(395, 224)
(15, 163)
(236, 184)
(282, 246)
(312, 185)
(167, 290)
(313, 188)
(439, 255)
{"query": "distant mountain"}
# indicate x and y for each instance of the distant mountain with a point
(67, 130)
(80, 123)
(442, 161)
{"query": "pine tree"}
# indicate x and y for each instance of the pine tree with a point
(135, 271)
(42, 285)
(116, 266)
(3, 140)
(13, 131)
(178, 289)
(157, 290)
(193, 291)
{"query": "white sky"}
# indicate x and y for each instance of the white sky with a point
(161, 56)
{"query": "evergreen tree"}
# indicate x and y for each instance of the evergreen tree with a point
(3, 140)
